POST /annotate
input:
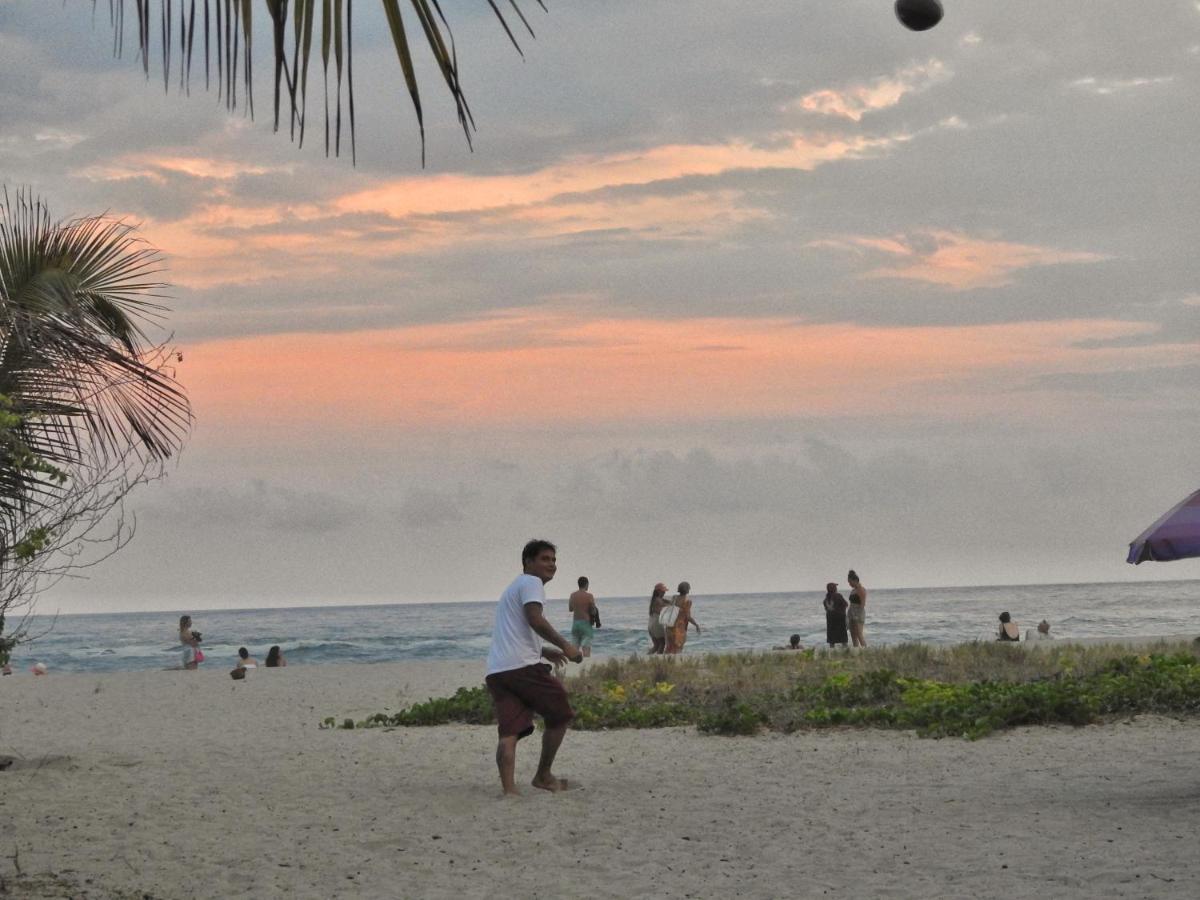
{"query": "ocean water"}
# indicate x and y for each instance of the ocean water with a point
(365, 634)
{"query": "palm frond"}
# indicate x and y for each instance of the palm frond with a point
(230, 41)
(76, 367)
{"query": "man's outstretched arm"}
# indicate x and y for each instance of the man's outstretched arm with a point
(547, 632)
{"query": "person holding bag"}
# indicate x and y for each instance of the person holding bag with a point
(676, 618)
(658, 636)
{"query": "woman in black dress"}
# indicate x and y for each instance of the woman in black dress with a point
(835, 616)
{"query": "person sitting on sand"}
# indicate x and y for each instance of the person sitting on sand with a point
(1042, 633)
(6, 670)
(519, 670)
(245, 660)
(1008, 629)
(793, 643)
(275, 658)
(191, 643)
(583, 611)
(658, 636)
(677, 632)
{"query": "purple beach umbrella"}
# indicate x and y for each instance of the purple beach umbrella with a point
(1175, 536)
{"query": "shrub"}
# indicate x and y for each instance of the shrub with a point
(735, 717)
(472, 706)
(979, 691)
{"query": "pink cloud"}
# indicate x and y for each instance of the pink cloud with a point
(157, 166)
(855, 101)
(954, 260)
(228, 242)
(547, 370)
(403, 197)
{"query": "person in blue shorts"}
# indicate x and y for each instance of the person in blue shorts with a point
(585, 617)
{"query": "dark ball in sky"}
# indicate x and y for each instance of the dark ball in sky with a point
(919, 15)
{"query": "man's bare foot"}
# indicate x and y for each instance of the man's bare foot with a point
(550, 783)
(511, 792)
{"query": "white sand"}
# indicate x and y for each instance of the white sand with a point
(187, 784)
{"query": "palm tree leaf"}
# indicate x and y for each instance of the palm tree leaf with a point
(400, 40)
(75, 363)
(233, 40)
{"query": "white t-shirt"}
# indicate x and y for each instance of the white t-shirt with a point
(514, 642)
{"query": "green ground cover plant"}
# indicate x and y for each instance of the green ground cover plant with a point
(969, 690)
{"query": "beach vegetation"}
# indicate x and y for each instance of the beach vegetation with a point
(89, 406)
(969, 690)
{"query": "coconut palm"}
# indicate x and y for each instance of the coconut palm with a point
(79, 379)
(225, 28)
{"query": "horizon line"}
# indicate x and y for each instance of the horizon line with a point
(369, 603)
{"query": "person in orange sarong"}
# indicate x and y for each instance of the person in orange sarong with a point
(677, 633)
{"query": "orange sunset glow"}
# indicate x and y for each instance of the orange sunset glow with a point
(560, 370)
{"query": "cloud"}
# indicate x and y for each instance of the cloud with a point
(1105, 87)
(858, 100)
(225, 240)
(578, 175)
(257, 505)
(156, 167)
(1131, 383)
(833, 505)
(426, 508)
(479, 374)
(956, 261)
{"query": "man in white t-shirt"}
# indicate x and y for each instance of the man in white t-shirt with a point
(519, 670)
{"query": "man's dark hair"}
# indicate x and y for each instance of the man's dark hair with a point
(1005, 617)
(583, 582)
(243, 652)
(534, 549)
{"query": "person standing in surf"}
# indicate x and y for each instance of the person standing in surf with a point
(582, 606)
(835, 616)
(676, 632)
(857, 616)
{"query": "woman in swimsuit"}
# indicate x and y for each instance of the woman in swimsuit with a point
(658, 636)
(856, 616)
(1008, 628)
(677, 633)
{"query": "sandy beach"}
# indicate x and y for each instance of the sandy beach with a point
(189, 785)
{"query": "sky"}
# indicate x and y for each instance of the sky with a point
(747, 295)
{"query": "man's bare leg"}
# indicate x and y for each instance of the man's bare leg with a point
(506, 762)
(545, 779)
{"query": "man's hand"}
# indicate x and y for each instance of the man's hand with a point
(555, 656)
(573, 653)
(546, 631)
